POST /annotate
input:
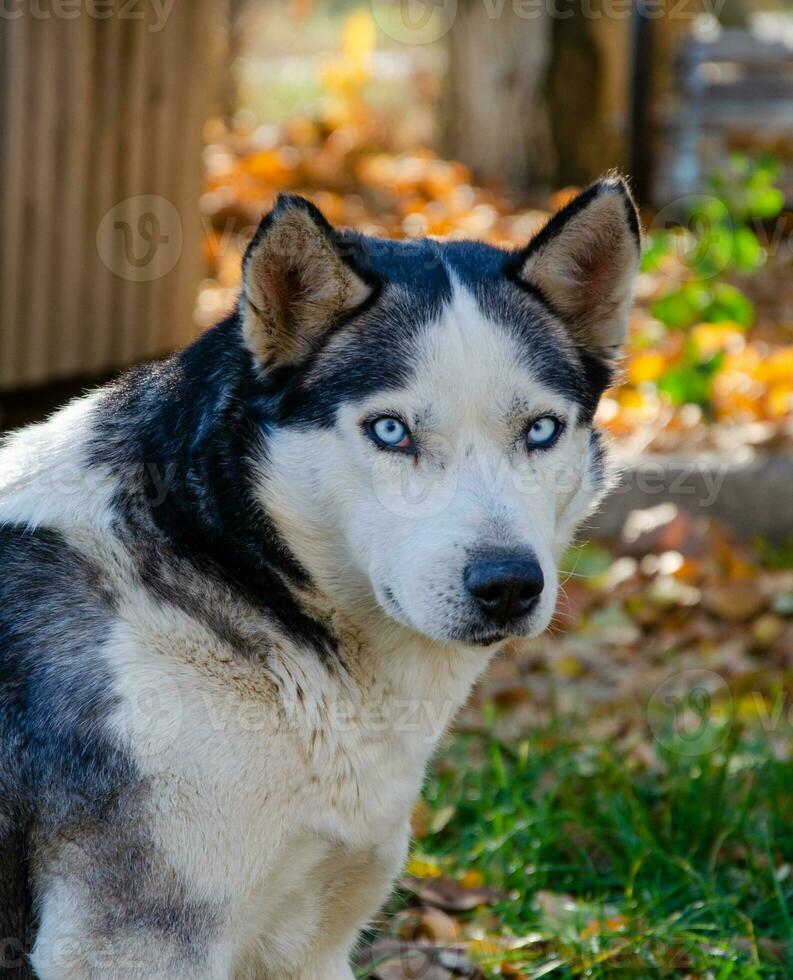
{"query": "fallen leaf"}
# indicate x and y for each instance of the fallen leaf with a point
(421, 819)
(735, 602)
(452, 896)
(420, 868)
(430, 925)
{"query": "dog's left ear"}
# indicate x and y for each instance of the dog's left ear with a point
(296, 282)
(583, 263)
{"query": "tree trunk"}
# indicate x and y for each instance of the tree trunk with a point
(587, 88)
(495, 117)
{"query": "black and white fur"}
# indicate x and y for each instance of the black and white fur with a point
(233, 627)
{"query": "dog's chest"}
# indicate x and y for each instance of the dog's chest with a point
(240, 775)
(277, 787)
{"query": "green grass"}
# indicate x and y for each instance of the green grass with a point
(618, 868)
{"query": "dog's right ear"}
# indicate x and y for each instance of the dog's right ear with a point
(296, 283)
(583, 263)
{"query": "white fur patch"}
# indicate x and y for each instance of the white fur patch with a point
(44, 476)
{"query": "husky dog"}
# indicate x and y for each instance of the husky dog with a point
(243, 591)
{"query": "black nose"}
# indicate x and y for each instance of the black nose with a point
(505, 587)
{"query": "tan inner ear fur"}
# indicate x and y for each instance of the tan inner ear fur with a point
(295, 285)
(586, 271)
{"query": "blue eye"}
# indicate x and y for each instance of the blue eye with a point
(390, 432)
(543, 432)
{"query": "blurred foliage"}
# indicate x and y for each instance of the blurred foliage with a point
(716, 243)
(710, 359)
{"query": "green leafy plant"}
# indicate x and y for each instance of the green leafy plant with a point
(718, 242)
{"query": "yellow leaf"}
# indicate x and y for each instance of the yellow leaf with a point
(358, 36)
(780, 401)
(569, 667)
(480, 948)
(712, 338)
(420, 868)
(777, 369)
(648, 366)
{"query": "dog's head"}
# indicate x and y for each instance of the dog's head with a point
(431, 446)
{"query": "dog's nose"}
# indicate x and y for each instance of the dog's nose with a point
(505, 587)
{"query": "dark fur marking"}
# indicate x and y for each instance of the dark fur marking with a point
(198, 418)
(597, 457)
(16, 912)
(61, 779)
(138, 891)
(54, 694)
(376, 351)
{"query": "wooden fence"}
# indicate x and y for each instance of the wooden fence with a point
(101, 111)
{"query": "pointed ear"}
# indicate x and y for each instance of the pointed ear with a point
(296, 282)
(583, 264)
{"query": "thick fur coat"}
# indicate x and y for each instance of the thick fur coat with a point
(243, 591)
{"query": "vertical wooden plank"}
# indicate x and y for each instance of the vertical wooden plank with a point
(27, 191)
(108, 39)
(173, 187)
(89, 269)
(8, 35)
(205, 22)
(15, 51)
(136, 147)
(97, 112)
(75, 186)
(121, 190)
(155, 58)
(5, 107)
(41, 275)
(165, 181)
